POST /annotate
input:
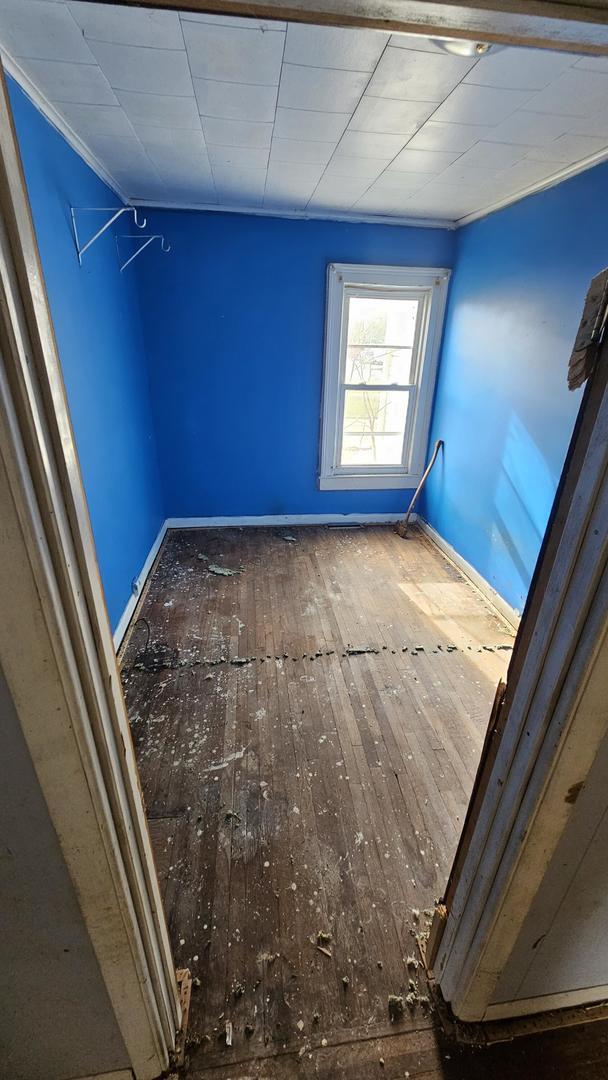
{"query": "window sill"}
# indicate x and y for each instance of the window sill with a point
(369, 482)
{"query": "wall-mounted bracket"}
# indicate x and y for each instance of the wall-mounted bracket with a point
(116, 212)
(164, 246)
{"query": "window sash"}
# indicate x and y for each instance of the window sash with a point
(397, 292)
(425, 284)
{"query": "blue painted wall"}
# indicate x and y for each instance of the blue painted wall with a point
(501, 403)
(99, 333)
(235, 323)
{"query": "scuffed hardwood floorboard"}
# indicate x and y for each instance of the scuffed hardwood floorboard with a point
(310, 789)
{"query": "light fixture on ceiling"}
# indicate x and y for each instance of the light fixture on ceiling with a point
(459, 47)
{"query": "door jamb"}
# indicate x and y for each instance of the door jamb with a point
(545, 728)
(43, 487)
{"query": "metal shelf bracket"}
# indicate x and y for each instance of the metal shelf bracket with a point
(164, 246)
(116, 212)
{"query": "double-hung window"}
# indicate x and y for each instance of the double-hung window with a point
(383, 329)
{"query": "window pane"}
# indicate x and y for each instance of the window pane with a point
(380, 365)
(374, 426)
(381, 321)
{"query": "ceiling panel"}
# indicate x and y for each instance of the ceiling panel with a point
(232, 54)
(320, 89)
(43, 31)
(417, 76)
(128, 26)
(203, 110)
(132, 67)
(235, 101)
(333, 47)
(159, 110)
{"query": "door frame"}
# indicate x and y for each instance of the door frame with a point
(544, 24)
(547, 724)
(57, 653)
(66, 626)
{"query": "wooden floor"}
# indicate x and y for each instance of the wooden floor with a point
(307, 731)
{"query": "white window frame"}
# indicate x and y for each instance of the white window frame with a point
(428, 284)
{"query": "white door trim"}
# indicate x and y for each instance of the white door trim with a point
(554, 722)
(57, 647)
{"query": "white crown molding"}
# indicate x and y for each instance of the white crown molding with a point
(540, 185)
(300, 215)
(55, 118)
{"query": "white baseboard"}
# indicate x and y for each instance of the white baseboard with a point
(508, 613)
(261, 520)
(139, 583)
(269, 520)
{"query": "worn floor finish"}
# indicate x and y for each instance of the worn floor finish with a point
(307, 732)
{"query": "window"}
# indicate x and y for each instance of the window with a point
(382, 337)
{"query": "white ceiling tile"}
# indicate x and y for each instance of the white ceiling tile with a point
(519, 69)
(454, 137)
(235, 101)
(360, 167)
(122, 154)
(310, 125)
(431, 161)
(417, 76)
(288, 173)
(467, 174)
(592, 63)
(266, 25)
(589, 125)
(240, 187)
(334, 47)
(527, 172)
(152, 188)
(529, 128)
(175, 171)
(568, 149)
(59, 81)
(188, 146)
(171, 137)
(237, 133)
(493, 155)
(417, 42)
(575, 93)
(128, 26)
(400, 182)
(375, 202)
(237, 157)
(96, 119)
(320, 88)
(480, 105)
(300, 151)
(129, 67)
(185, 192)
(43, 31)
(232, 54)
(370, 144)
(287, 195)
(391, 117)
(444, 201)
(176, 176)
(338, 191)
(159, 110)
